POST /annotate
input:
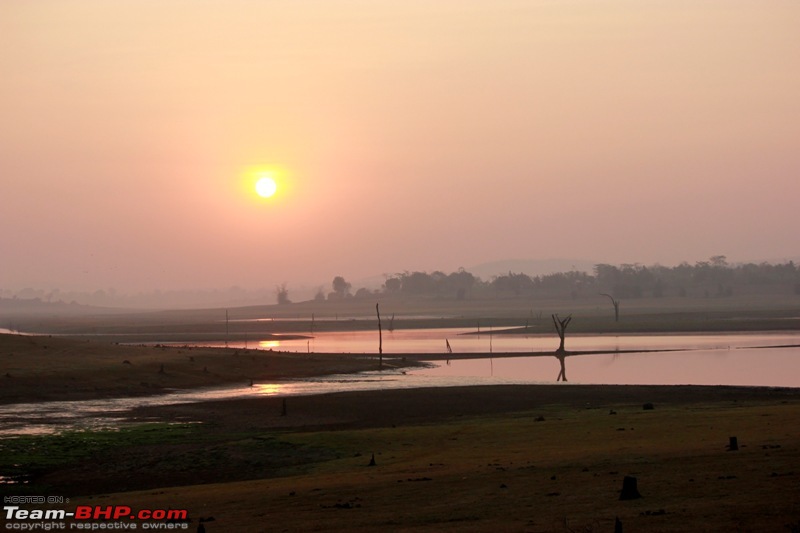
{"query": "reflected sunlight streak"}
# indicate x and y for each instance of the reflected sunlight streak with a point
(269, 389)
(268, 345)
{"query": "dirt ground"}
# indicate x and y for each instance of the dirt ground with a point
(497, 458)
(392, 407)
(36, 368)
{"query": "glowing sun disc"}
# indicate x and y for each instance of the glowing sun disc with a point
(266, 187)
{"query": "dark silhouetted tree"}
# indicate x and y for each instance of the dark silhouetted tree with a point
(393, 285)
(461, 282)
(282, 293)
(363, 293)
(513, 283)
(341, 288)
(561, 328)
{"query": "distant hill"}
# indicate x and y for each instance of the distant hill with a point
(531, 267)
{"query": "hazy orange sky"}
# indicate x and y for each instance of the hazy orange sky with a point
(413, 135)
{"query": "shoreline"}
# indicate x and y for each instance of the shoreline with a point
(47, 368)
(379, 407)
(36, 368)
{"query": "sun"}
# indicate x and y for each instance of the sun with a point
(265, 183)
(266, 187)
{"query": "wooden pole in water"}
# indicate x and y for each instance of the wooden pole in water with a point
(380, 337)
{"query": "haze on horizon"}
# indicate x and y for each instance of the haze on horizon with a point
(409, 136)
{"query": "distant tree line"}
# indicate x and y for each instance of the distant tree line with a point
(715, 278)
(712, 278)
(183, 298)
(456, 284)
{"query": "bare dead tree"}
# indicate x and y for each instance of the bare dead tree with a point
(391, 323)
(615, 303)
(562, 373)
(561, 328)
(561, 354)
(380, 337)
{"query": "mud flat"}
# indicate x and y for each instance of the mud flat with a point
(51, 368)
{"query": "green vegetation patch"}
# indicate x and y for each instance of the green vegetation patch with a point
(28, 455)
(143, 456)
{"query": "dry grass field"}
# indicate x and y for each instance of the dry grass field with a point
(539, 461)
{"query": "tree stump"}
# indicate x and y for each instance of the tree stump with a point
(372, 461)
(629, 489)
(733, 444)
(617, 525)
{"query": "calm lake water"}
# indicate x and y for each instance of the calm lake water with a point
(774, 367)
(714, 359)
(734, 359)
(465, 341)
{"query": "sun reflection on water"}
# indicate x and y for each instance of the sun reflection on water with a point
(269, 389)
(268, 345)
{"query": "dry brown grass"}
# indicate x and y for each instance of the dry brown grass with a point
(513, 473)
